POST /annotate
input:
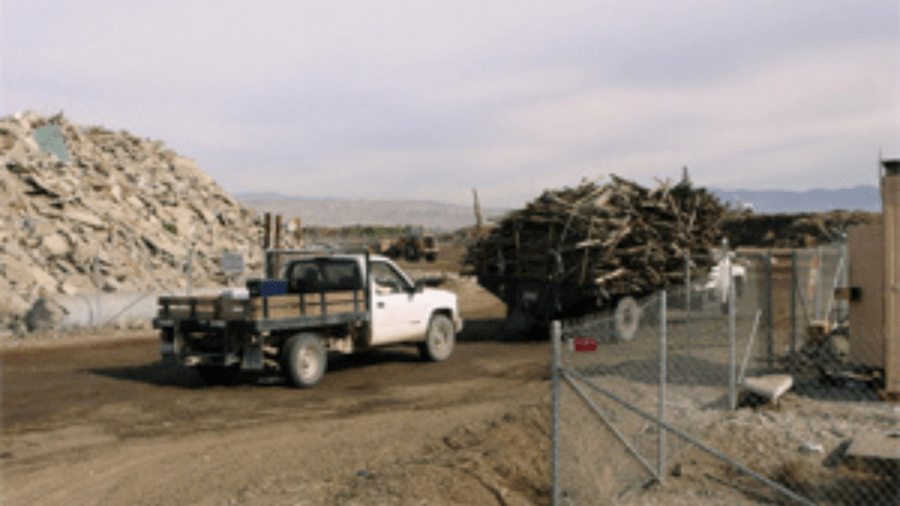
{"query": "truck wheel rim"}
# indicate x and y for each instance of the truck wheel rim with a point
(440, 338)
(306, 362)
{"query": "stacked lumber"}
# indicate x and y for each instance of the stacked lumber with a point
(610, 239)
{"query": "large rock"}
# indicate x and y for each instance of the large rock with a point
(56, 245)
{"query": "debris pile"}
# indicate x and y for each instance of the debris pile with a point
(612, 239)
(121, 214)
(802, 230)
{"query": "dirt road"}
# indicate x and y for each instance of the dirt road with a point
(105, 423)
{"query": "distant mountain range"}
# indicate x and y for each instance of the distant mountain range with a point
(333, 212)
(862, 198)
(337, 212)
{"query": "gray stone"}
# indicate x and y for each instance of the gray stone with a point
(56, 245)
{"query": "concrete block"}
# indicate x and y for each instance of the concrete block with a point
(771, 386)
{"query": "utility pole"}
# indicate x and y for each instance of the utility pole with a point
(479, 221)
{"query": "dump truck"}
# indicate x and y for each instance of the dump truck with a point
(320, 302)
(581, 252)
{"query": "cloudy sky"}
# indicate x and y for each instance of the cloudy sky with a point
(425, 100)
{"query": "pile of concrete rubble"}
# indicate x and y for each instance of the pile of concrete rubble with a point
(119, 214)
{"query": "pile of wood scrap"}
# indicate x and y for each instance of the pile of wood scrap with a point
(617, 238)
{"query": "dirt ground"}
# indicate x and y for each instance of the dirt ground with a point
(95, 419)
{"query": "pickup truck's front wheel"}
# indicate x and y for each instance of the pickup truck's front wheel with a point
(304, 359)
(440, 339)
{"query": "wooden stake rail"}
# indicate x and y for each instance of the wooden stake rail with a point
(616, 238)
(261, 308)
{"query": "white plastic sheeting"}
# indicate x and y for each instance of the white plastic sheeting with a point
(123, 309)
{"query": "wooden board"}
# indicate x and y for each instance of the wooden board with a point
(308, 304)
(866, 251)
(204, 308)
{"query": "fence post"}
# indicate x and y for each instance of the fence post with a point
(663, 363)
(556, 338)
(818, 279)
(688, 299)
(732, 385)
(95, 314)
(794, 290)
(770, 344)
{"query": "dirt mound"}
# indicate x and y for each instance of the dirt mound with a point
(501, 461)
(131, 203)
(801, 230)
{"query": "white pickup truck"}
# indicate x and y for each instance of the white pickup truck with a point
(322, 302)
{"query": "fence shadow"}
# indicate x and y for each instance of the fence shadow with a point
(681, 370)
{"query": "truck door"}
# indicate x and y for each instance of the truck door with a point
(396, 315)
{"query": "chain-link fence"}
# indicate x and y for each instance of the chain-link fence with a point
(729, 391)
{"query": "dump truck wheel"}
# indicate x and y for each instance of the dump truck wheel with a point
(439, 340)
(305, 359)
(627, 318)
(217, 375)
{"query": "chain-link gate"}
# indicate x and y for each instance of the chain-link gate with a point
(692, 408)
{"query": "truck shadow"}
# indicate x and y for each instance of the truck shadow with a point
(170, 375)
(498, 329)
(156, 373)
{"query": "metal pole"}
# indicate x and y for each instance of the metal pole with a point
(732, 384)
(793, 346)
(95, 316)
(770, 341)
(818, 278)
(556, 337)
(277, 231)
(267, 231)
(662, 386)
(190, 270)
(688, 297)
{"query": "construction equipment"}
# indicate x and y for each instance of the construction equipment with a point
(412, 245)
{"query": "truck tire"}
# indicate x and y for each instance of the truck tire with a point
(304, 359)
(439, 340)
(218, 375)
(627, 318)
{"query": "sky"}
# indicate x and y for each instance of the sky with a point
(418, 100)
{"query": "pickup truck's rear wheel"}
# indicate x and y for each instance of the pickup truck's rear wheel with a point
(304, 359)
(218, 375)
(440, 339)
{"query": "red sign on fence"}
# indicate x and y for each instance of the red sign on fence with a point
(585, 344)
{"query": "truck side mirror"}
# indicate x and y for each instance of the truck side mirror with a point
(419, 287)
